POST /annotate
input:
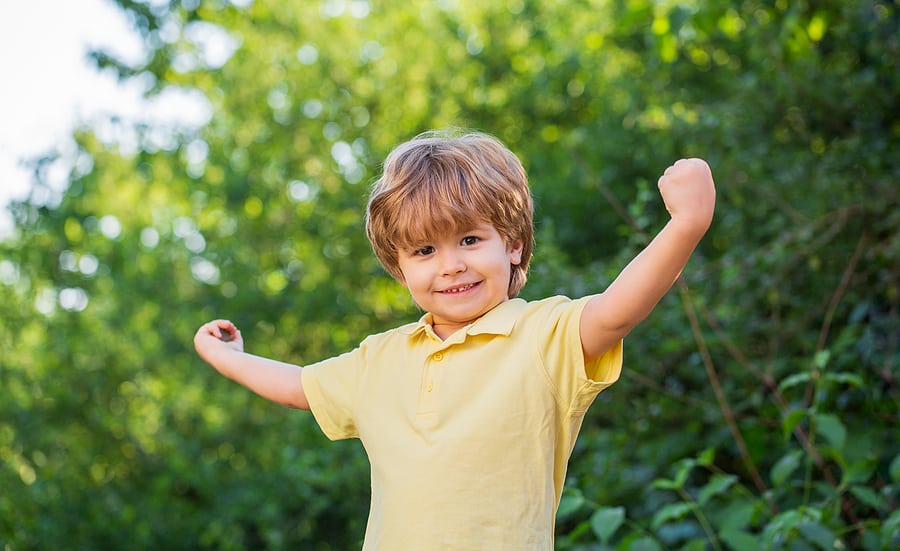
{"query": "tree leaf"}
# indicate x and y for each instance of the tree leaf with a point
(606, 520)
(793, 380)
(673, 511)
(858, 472)
(781, 526)
(890, 530)
(895, 469)
(665, 484)
(832, 429)
(571, 501)
(820, 535)
(851, 379)
(644, 544)
(716, 485)
(706, 457)
(738, 540)
(868, 496)
(696, 544)
(791, 420)
(785, 467)
(683, 469)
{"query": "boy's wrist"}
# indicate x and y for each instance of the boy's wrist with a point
(219, 357)
(690, 228)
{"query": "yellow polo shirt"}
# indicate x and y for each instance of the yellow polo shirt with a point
(468, 438)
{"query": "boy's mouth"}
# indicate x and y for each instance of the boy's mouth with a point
(458, 289)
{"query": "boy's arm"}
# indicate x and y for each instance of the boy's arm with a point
(689, 194)
(220, 344)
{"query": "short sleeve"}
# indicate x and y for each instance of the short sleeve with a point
(331, 387)
(576, 383)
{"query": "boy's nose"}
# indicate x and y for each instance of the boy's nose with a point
(452, 263)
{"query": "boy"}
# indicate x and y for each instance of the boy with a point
(469, 416)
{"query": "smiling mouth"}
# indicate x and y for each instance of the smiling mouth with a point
(457, 290)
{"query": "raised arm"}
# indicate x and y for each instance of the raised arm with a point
(220, 344)
(689, 194)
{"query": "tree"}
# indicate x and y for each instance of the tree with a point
(758, 409)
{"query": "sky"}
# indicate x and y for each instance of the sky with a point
(49, 87)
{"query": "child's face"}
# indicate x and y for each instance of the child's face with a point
(461, 276)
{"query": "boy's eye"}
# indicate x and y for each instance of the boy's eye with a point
(424, 251)
(469, 240)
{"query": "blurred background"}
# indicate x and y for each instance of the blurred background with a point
(54, 87)
(187, 159)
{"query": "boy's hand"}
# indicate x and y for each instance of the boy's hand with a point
(689, 193)
(216, 336)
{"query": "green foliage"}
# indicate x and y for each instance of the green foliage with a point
(758, 409)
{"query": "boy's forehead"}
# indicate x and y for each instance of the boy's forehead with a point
(421, 231)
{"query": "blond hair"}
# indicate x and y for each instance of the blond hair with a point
(441, 182)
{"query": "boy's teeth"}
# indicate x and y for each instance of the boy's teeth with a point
(460, 289)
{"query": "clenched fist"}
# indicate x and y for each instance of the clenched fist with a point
(689, 193)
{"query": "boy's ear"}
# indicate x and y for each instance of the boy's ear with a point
(515, 252)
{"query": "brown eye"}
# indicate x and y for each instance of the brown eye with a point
(424, 251)
(469, 240)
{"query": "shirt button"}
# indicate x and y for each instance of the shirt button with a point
(438, 356)
(429, 388)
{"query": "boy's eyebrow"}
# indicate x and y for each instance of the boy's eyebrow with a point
(479, 226)
(427, 240)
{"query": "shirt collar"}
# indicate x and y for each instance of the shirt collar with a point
(500, 320)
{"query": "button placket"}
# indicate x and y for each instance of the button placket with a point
(437, 357)
(427, 400)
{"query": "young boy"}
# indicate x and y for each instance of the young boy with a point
(469, 416)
